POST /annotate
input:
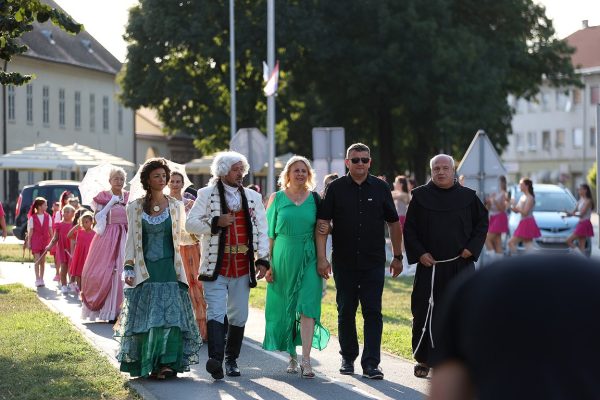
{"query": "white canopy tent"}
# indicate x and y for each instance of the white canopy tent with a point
(101, 156)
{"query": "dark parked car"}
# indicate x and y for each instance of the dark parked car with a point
(551, 202)
(50, 190)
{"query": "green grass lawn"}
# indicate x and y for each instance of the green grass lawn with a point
(14, 252)
(42, 356)
(397, 318)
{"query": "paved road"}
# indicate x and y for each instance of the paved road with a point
(263, 373)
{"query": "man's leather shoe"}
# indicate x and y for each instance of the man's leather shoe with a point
(347, 367)
(231, 368)
(214, 368)
(372, 373)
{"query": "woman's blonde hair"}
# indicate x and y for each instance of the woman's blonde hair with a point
(284, 178)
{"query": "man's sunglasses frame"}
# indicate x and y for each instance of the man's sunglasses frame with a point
(355, 160)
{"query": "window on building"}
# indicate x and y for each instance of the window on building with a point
(105, 113)
(531, 141)
(594, 94)
(533, 105)
(576, 95)
(92, 112)
(546, 145)
(593, 136)
(29, 104)
(518, 142)
(563, 101)
(120, 119)
(544, 101)
(521, 106)
(560, 138)
(46, 105)
(61, 107)
(77, 110)
(11, 102)
(577, 137)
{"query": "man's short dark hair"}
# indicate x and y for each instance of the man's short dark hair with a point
(358, 147)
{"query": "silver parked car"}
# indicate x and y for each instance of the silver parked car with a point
(551, 203)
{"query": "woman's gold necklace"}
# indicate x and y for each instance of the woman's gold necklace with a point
(156, 207)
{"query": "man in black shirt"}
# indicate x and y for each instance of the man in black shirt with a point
(524, 328)
(359, 204)
(445, 228)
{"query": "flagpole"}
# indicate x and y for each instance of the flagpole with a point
(271, 99)
(232, 68)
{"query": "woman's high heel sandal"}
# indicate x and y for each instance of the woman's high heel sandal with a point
(292, 366)
(306, 369)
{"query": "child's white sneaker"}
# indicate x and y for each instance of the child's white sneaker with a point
(64, 289)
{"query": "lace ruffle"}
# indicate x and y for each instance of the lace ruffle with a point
(157, 219)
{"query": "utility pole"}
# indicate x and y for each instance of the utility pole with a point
(271, 99)
(232, 68)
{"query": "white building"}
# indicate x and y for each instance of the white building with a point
(554, 136)
(73, 99)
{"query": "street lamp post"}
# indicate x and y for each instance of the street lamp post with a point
(271, 99)
(232, 67)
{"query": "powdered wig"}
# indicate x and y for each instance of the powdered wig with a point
(223, 162)
(284, 176)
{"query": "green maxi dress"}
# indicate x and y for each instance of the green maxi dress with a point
(296, 287)
(158, 327)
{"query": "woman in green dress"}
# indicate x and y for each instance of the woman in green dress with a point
(293, 305)
(158, 333)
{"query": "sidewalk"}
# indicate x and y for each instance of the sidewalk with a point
(263, 373)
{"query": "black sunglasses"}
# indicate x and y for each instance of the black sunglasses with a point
(364, 160)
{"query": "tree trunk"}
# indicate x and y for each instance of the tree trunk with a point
(420, 158)
(386, 145)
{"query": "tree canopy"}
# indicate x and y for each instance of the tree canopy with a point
(16, 18)
(409, 78)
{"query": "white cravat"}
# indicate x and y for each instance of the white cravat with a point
(233, 197)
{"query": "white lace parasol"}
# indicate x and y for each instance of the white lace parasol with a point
(137, 191)
(96, 180)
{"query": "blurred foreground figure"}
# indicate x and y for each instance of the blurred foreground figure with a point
(526, 328)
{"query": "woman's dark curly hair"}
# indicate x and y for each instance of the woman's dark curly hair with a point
(149, 166)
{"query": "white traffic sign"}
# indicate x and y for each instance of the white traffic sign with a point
(253, 144)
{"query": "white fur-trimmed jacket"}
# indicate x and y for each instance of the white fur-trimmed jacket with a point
(202, 221)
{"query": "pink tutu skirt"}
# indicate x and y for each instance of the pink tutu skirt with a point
(498, 223)
(527, 229)
(584, 229)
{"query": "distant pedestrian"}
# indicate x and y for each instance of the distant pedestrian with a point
(533, 312)
(39, 233)
(496, 204)
(2, 222)
(583, 210)
(359, 205)
(401, 197)
(527, 230)
(445, 230)
(63, 246)
(82, 234)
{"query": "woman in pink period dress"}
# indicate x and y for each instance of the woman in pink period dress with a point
(101, 282)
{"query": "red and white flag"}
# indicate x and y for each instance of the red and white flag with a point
(273, 82)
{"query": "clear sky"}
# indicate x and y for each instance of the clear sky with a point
(106, 19)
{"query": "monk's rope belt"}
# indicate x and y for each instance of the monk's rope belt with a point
(429, 315)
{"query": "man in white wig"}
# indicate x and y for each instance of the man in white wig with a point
(232, 226)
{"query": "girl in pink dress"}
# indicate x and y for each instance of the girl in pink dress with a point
(83, 235)
(56, 218)
(39, 231)
(101, 283)
(527, 229)
(583, 210)
(496, 204)
(63, 246)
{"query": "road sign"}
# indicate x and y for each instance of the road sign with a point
(329, 152)
(481, 166)
(253, 144)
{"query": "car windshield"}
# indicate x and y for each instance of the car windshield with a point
(554, 201)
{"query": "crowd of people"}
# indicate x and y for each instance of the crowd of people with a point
(173, 270)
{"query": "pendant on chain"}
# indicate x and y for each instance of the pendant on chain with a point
(156, 208)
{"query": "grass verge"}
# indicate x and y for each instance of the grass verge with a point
(14, 253)
(42, 356)
(397, 318)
